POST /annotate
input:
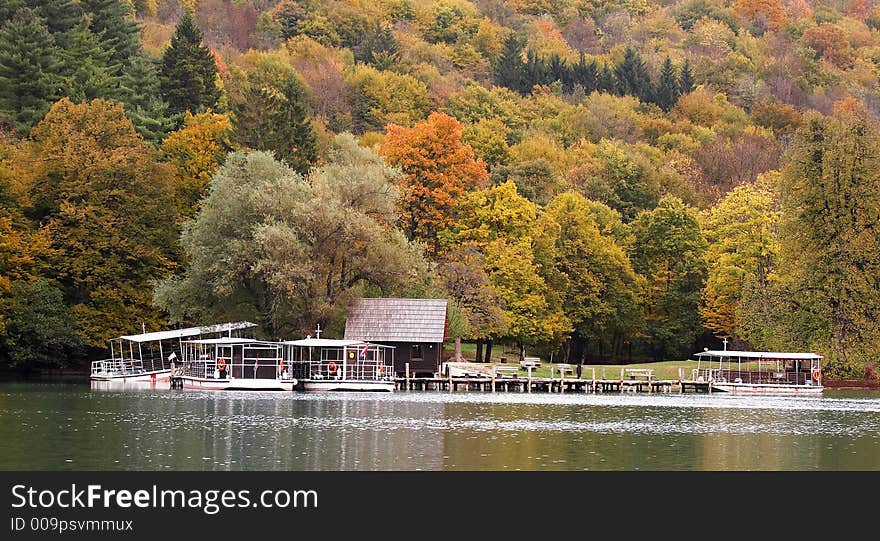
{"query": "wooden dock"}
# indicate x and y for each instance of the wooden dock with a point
(551, 385)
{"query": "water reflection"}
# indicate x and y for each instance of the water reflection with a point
(145, 428)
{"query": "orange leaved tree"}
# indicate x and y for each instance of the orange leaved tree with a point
(437, 168)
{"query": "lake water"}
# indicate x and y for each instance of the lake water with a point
(75, 427)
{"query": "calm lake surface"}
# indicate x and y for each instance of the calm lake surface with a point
(76, 427)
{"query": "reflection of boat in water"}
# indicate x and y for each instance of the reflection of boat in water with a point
(120, 384)
(226, 363)
(321, 364)
(760, 372)
(148, 357)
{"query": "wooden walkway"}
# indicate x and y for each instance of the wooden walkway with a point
(550, 385)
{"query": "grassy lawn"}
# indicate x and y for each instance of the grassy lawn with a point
(662, 369)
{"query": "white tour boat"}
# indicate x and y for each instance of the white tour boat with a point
(149, 357)
(760, 372)
(321, 364)
(226, 363)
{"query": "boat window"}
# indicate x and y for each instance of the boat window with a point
(417, 351)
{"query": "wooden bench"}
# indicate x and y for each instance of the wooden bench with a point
(507, 371)
(634, 373)
(564, 369)
(533, 362)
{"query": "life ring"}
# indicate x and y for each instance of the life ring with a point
(816, 374)
(221, 364)
(381, 369)
(332, 367)
(281, 364)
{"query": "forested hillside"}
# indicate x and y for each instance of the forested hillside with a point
(602, 179)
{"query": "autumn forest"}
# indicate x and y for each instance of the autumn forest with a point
(604, 180)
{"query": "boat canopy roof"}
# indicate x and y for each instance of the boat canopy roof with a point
(190, 331)
(775, 355)
(330, 343)
(226, 340)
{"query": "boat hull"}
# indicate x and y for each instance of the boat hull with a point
(238, 384)
(346, 385)
(158, 376)
(767, 388)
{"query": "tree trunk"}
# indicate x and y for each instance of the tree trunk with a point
(489, 350)
(479, 358)
(522, 351)
(458, 358)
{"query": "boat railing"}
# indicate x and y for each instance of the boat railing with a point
(337, 370)
(209, 368)
(117, 367)
(776, 377)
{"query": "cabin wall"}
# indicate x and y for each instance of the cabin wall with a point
(429, 363)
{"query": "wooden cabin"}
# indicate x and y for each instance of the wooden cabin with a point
(416, 328)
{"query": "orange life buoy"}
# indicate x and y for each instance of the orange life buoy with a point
(816, 374)
(221, 364)
(382, 369)
(281, 364)
(332, 367)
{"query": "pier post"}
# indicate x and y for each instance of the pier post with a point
(680, 379)
(407, 376)
(529, 383)
(621, 380)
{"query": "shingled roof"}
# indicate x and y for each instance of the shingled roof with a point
(396, 320)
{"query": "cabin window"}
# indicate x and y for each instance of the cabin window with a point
(416, 351)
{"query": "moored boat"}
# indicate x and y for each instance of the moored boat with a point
(760, 372)
(321, 364)
(226, 363)
(148, 357)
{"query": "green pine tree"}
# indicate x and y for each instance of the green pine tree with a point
(686, 79)
(114, 22)
(606, 82)
(509, 67)
(30, 70)
(586, 73)
(667, 86)
(275, 117)
(88, 67)
(142, 99)
(378, 48)
(632, 76)
(188, 70)
(60, 16)
(288, 126)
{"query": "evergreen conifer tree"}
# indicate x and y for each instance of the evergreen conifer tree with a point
(667, 86)
(509, 67)
(378, 48)
(632, 76)
(686, 79)
(556, 70)
(142, 99)
(188, 70)
(114, 22)
(606, 81)
(586, 73)
(30, 70)
(277, 119)
(60, 16)
(88, 66)
(536, 72)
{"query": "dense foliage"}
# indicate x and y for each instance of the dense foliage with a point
(598, 180)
